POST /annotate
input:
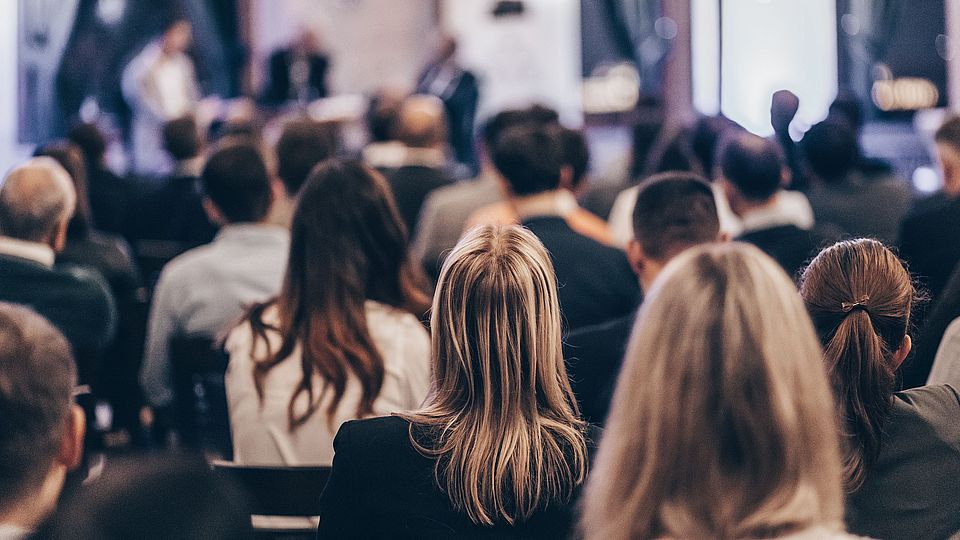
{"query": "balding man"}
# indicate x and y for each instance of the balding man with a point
(422, 129)
(36, 202)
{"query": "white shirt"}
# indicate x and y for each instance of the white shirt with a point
(204, 291)
(32, 251)
(946, 365)
(260, 429)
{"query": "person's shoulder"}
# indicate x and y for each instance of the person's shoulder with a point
(83, 278)
(382, 433)
(189, 261)
(933, 403)
(618, 328)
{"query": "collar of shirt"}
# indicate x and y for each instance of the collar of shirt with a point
(13, 532)
(559, 202)
(424, 157)
(246, 232)
(32, 251)
(781, 211)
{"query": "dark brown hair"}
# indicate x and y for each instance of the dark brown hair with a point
(348, 245)
(674, 211)
(860, 295)
(70, 157)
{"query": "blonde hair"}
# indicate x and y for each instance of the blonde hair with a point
(722, 424)
(502, 417)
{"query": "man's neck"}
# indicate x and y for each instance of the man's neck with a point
(745, 207)
(32, 509)
(557, 202)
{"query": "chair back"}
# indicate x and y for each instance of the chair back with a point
(278, 491)
(200, 399)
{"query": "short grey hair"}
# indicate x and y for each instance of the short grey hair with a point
(36, 198)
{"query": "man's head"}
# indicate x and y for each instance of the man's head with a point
(530, 159)
(948, 152)
(537, 115)
(831, 149)
(576, 154)
(41, 430)
(181, 138)
(177, 37)
(422, 123)
(237, 185)
(92, 141)
(37, 200)
(674, 211)
(751, 169)
(783, 107)
(302, 145)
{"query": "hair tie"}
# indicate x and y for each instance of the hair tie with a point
(847, 307)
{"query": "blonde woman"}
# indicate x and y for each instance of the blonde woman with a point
(498, 450)
(721, 425)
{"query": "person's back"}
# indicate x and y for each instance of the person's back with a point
(498, 450)
(901, 449)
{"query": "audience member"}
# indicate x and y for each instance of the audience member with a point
(302, 145)
(719, 428)
(901, 449)
(446, 209)
(674, 211)
(841, 194)
(202, 292)
(156, 497)
(929, 232)
(384, 151)
(422, 129)
(596, 283)
(297, 72)
(343, 339)
(576, 157)
(498, 450)
(110, 195)
(784, 105)
(936, 356)
(170, 219)
(41, 430)
(751, 175)
(37, 200)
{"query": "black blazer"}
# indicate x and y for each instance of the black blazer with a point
(76, 300)
(596, 283)
(381, 487)
(789, 245)
(279, 89)
(594, 355)
(410, 185)
(928, 240)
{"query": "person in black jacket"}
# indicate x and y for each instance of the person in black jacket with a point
(297, 73)
(596, 282)
(498, 450)
(674, 211)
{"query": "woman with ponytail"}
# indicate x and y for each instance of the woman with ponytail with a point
(901, 449)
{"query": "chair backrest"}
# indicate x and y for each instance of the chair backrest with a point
(200, 400)
(279, 491)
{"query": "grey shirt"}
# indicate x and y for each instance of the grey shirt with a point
(204, 291)
(913, 490)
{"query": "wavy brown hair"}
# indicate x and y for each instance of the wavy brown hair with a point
(347, 245)
(860, 295)
(505, 423)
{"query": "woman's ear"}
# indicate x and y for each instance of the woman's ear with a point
(901, 354)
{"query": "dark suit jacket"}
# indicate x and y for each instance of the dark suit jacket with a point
(410, 185)
(278, 86)
(928, 240)
(594, 355)
(110, 200)
(76, 300)
(596, 283)
(789, 245)
(382, 487)
(460, 102)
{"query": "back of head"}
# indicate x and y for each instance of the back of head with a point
(753, 165)
(831, 149)
(949, 133)
(576, 154)
(674, 211)
(91, 140)
(707, 133)
(302, 145)
(536, 115)
(37, 376)
(509, 437)
(235, 179)
(36, 198)
(530, 158)
(723, 422)
(181, 138)
(382, 115)
(422, 122)
(153, 498)
(70, 157)
(348, 245)
(860, 297)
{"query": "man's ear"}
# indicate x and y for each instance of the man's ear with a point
(213, 213)
(901, 354)
(636, 256)
(71, 446)
(58, 239)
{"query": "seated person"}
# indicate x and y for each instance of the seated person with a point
(674, 211)
(752, 175)
(37, 200)
(343, 340)
(901, 449)
(498, 449)
(204, 291)
(722, 420)
(302, 145)
(41, 429)
(596, 282)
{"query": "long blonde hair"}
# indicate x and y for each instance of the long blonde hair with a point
(722, 424)
(503, 421)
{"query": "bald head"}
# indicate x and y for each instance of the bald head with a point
(421, 122)
(36, 201)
